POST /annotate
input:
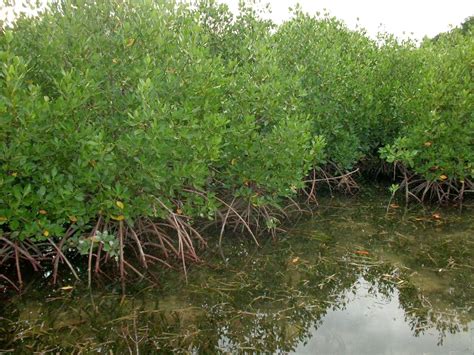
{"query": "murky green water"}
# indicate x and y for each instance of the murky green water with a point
(349, 280)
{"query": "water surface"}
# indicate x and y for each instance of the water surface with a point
(351, 279)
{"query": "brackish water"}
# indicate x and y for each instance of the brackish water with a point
(351, 279)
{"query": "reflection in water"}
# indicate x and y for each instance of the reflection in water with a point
(349, 280)
(375, 324)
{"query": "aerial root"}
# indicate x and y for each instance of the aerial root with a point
(333, 179)
(18, 251)
(60, 256)
(420, 189)
(12, 284)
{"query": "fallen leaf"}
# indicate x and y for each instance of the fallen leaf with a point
(361, 252)
(43, 212)
(66, 288)
(118, 218)
(179, 211)
(427, 144)
(443, 177)
(73, 219)
(3, 218)
(394, 205)
(295, 260)
(120, 204)
(14, 174)
(436, 216)
(46, 233)
(130, 42)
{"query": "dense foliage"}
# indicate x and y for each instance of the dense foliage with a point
(142, 117)
(439, 137)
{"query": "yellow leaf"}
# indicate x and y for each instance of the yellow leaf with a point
(43, 212)
(179, 211)
(46, 233)
(130, 42)
(427, 144)
(118, 218)
(443, 177)
(295, 260)
(115, 61)
(66, 288)
(120, 204)
(233, 161)
(3, 218)
(73, 219)
(14, 174)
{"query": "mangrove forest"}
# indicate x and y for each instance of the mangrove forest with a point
(252, 176)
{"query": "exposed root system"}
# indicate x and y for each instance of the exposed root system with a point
(173, 241)
(332, 178)
(147, 242)
(422, 190)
